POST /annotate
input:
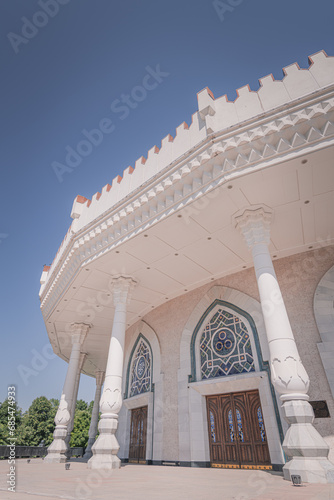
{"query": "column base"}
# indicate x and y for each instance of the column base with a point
(306, 447)
(110, 462)
(106, 446)
(57, 451)
(311, 470)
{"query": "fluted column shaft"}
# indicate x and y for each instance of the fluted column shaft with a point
(58, 448)
(106, 447)
(307, 450)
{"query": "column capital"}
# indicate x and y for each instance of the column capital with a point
(99, 377)
(78, 332)
(254, 224)
(122, 287)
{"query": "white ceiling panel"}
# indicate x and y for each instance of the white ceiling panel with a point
(96, 279)
(323, 176)
(148, 249)
(156, 280)
(233, 240)
(179, 232)
(118, 263)
(286, 230)
(212, 255)
(146, 295)
(308, 221)
(324, 216)
(182, 269)
(272, 187)
(215, 213)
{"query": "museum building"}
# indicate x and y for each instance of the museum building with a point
(198, 289)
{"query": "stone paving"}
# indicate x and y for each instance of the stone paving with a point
(42, 481)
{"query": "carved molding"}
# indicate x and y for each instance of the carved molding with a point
(122, 287)
(255, 225)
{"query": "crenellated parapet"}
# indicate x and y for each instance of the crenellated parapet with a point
(217, 114)
(282, 116)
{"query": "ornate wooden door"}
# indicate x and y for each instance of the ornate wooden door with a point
(138, 428)
(236, 430)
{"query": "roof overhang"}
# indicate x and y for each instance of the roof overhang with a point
(176, 231)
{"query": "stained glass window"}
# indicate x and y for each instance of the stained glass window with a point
(231, 427)
(239, 423)
(225, 347)
(212, 427)
(141, 370)
(261, 424)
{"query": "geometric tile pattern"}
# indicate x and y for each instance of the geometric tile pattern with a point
(225, 348)
(141, 370)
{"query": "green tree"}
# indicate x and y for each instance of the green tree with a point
(38, 423)
(54, 403)
(81, 405)
(79, 435)
(8, 409)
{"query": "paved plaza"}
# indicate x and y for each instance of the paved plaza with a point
(43, 481)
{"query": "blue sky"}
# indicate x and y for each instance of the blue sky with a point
(62, 78)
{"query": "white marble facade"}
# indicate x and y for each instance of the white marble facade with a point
(235, 210)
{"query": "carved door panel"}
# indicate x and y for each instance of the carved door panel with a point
(138, 429)
(237, 434)
(261, 450)
(243, 429)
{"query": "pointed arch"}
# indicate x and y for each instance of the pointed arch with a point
(139, 368)
(250, 339)
(152, 398)
(193, 424)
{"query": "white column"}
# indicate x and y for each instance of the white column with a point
(58, 448)
(74, 402)
(106, 447)
(307, 450)
(95, 415)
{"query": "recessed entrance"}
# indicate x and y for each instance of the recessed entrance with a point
(237, 434)
(138, 430)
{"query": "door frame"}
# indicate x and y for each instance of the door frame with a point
(248, 428)
(198, 421)
(139, 401)
(139, 460)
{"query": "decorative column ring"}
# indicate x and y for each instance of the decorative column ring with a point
(58, 448)
(106, 447)
(303, 444)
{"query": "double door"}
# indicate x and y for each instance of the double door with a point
(138, 429)
(237, 433)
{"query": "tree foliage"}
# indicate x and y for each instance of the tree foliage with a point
(79, 436)
(37, 423)
(81, 405)
(13, 410)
